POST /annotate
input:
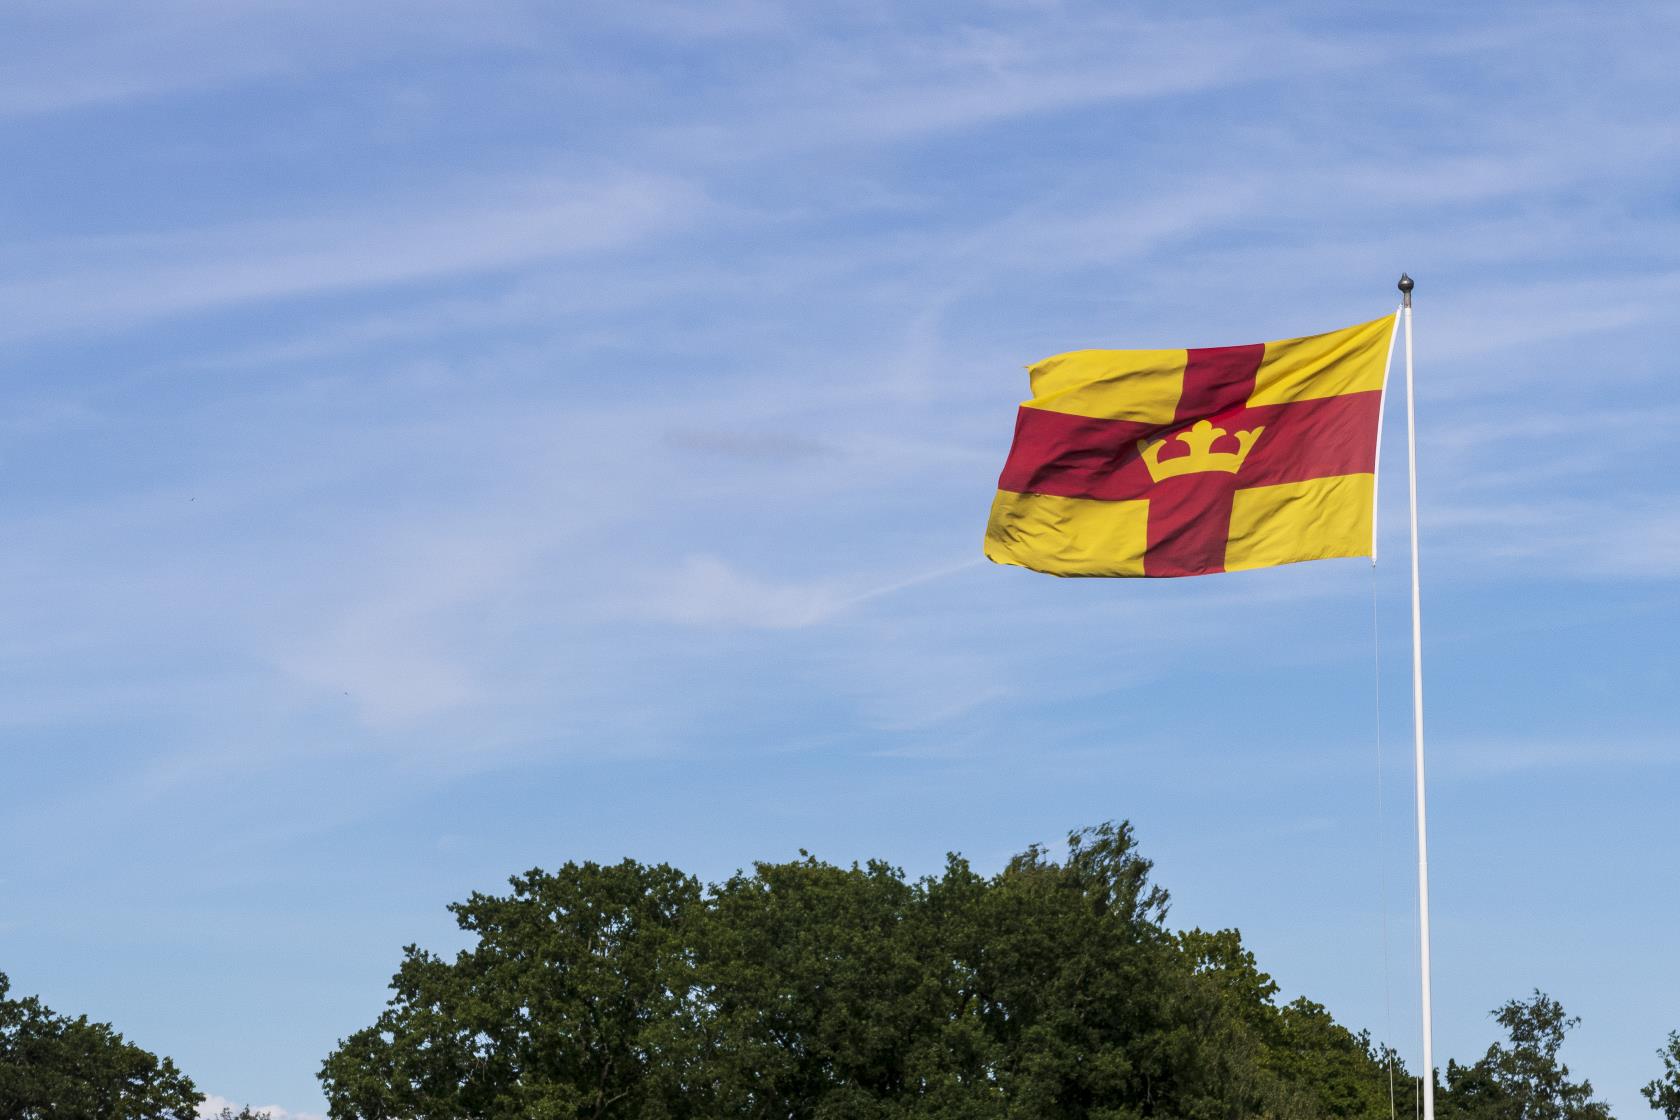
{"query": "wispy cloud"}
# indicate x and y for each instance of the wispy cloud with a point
(914, 82)
(1615, 538)
(708, 591)
(1471, 760)
(767, 446)
(213, 1105)
(82, 54)
(119, 281)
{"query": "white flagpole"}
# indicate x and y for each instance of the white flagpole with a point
(1376, 460)
(1428, 1072)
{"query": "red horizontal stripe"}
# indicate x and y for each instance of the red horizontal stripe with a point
(1075, 456)
(1312, 439)
(1082, 457)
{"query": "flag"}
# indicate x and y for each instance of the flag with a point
(1186, 462)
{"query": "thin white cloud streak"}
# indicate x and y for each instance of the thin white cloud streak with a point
(1048, 236)
(912, 85)
(1117, 232)
(991, 78)
(1526, 450)
(1525, 314)
(708, 591)
(261, 262)
(1612, 539)
(1050, 239)
(83, 55)
(121, 281)
(73, 55)
(1482, 759)
(725, 19)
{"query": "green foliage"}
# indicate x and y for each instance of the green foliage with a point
(1522, 1080)
(1664, 1092)
(1302, 1063)
(1338, 1072)
(815, 987)
(70, 1069)
(804, 990)
(578, 1000)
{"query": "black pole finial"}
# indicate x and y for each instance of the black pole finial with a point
(1406, 284)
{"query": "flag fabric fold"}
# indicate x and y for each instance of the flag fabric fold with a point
(1189, 462)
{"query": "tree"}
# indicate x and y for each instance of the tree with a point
(823, 986)
(71, 1069)
(1664, 1092)
(1295, 1060)
(1088, 998)
(572, 1004)
(809, 991)
(1523, 1080)
(1335, 1072)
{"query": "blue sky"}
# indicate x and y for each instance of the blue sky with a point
(438, 440)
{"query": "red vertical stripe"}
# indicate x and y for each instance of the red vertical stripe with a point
(1190, 516)
(1189, 523)
(1217, 378)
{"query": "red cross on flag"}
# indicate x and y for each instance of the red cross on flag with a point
(1187, 462)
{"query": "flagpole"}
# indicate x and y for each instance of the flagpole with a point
(1406, 285)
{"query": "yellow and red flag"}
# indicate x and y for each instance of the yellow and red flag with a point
(1186, 462)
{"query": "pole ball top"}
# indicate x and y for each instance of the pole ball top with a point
(1406, 283)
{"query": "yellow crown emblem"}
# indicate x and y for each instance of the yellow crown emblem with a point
(1199, 439)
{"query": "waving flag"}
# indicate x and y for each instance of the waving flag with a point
(1186, 462)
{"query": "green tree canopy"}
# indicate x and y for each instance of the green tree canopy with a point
(71, 1069)
(805, 990)
(1664, 1092)
(577, 1001)
(1522, 1079)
